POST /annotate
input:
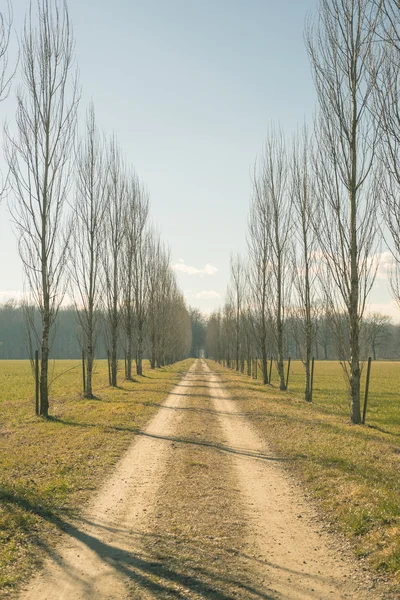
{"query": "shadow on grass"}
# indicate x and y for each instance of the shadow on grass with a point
(382, 430)
(105, 426)
(36, 506)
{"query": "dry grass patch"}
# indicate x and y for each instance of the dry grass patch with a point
(48, 469)
(353, 471)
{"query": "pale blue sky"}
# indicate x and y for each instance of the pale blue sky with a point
(190, 88)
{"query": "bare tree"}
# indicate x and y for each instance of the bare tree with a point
(6, 73)
(39, 162)
(304, 250)
(249, 341)
(341, 49)
(141, 282)
(168, 314)
(259, 275)
(178, 330)
(179, 336)
(236, 294)
(213, 337)
(322, 327)
(154, 255)
(87, 235)
(389, 30)
(134, 273)
(271, 183)
(387, 114)
(228, 332)
(166, 287)
(115, 216)
(199, 332)
(158, 282)
(376, 331)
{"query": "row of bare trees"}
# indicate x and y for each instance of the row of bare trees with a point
(82, 216)
(323, 202)
(119, 269)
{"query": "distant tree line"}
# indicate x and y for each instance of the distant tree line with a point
(66, 342)
(199, 332)
(320, 203)
(380, 339)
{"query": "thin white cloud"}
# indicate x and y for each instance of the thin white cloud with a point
(181, 267)
(210, 270)
(207, 295)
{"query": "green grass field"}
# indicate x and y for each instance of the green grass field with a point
(331, 391)
(353, 471)
(48, 469)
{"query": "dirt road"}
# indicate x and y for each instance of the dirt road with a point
(197, 508)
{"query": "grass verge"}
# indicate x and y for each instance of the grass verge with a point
(48, 469)
(353, 471)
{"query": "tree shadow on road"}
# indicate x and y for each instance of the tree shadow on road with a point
(213, 445)
(181, 440)
(164, 575)
(166, 566)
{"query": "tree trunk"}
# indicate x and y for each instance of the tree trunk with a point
(153, 352)
(128, 355)
(44, 369)
(114, 342)
(355, 375)
(264, 365)
(279, 361)
(128, 358)
(88, 392)
(139, 360)
(307, 366)
(114, 360)
(279, 327)
(308, 340)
